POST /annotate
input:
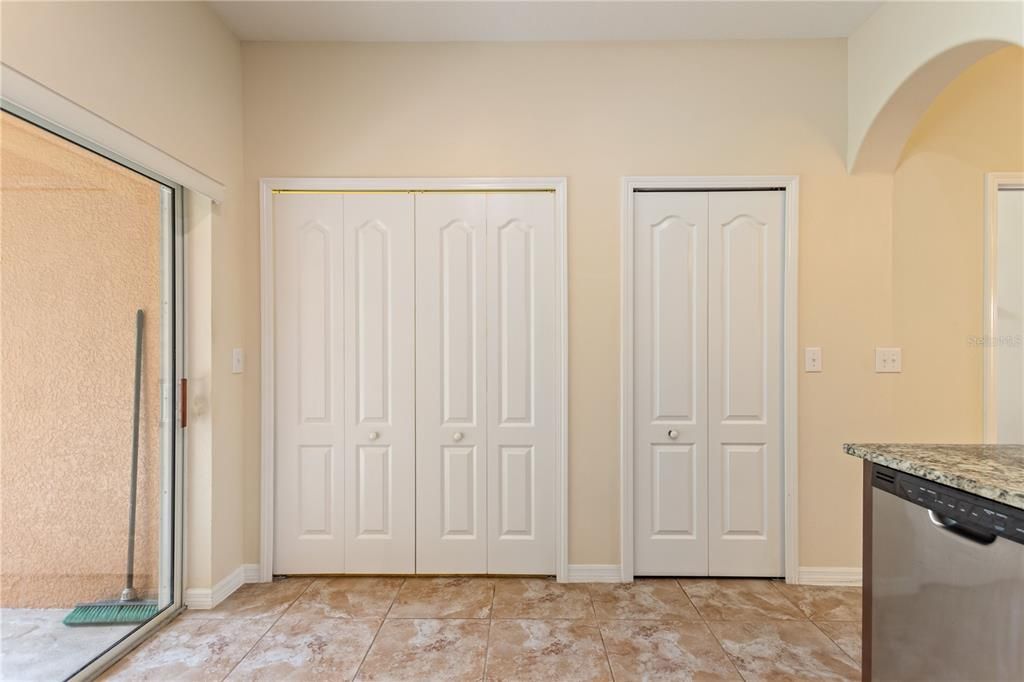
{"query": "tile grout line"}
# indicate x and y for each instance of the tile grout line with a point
(717, 639)
(860, 663)
(269, 628)
(490, 624)
(779, 590)
(604, 645)
(690, 601)
(380, 626)
(728, 656)
(600, 632)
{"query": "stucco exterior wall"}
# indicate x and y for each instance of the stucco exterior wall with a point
(79, 253)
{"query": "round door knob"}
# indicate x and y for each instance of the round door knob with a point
(673, 434)
(457, 436)
(374, 435)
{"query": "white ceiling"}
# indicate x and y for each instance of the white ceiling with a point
(504, 20)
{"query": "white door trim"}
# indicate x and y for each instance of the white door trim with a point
(791, 183)
(993, 183)
(268, 186)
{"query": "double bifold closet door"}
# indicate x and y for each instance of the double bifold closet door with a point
(708, 282)
(415, 356)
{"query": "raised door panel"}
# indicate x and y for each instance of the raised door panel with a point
(674, 486)
(670, 446)
(451, 434)
(516, 491)
(744, 360)
(743, 284)
(522, 360)
(380, 396)
(744, 490)
(374, 288)
(314, 320)
(309, 429)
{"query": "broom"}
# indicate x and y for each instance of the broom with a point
(129, 608)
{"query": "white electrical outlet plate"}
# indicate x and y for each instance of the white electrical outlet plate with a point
(812, 359)
(237, 361)
(888, 360)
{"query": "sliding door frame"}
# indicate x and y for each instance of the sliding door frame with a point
(172, 351)
(271, 186)
(631, 184)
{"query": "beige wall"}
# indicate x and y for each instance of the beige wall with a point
(80, 253)
(596, 112)
(975, 126)
(170, 73)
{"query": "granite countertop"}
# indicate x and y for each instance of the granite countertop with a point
(995, 472)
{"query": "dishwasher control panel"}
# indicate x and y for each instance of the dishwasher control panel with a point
(954, 507)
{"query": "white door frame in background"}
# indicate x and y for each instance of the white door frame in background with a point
(268, 186)
(993, 183)
(789, 361)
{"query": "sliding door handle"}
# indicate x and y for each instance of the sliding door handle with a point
(183, 402)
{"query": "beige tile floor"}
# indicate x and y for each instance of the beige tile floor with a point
(510, 629)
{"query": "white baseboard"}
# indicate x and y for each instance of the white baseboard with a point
(251, 573)
(830, 575)
(595, 573)
(208, 597)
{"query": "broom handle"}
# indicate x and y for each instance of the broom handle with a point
(130, 577)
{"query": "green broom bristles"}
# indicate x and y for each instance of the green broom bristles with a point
(111, 613)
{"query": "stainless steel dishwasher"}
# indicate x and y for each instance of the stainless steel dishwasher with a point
(947, 581)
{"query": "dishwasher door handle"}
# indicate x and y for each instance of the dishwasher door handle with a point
(946, 523)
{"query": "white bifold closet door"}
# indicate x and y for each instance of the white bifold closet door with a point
(344, 383)
(671, 452)
(415, 382)
(451, 387)
(708, 324)
(486, 378)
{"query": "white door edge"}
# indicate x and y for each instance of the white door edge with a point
(268, 187)
(791, 184)
(993, 183)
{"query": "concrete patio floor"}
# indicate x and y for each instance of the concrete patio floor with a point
(36, 645)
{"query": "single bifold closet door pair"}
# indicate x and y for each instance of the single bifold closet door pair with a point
(708, 384)
(415, 360)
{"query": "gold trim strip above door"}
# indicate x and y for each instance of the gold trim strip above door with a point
(411, 191)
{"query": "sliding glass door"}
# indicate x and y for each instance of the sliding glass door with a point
(90, 358)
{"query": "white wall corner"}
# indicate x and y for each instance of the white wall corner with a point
(839, 576)
(595, 573)
(203, 598)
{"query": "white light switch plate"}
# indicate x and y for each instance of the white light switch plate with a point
(888, 360)
(237, 361)
(812, 359)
